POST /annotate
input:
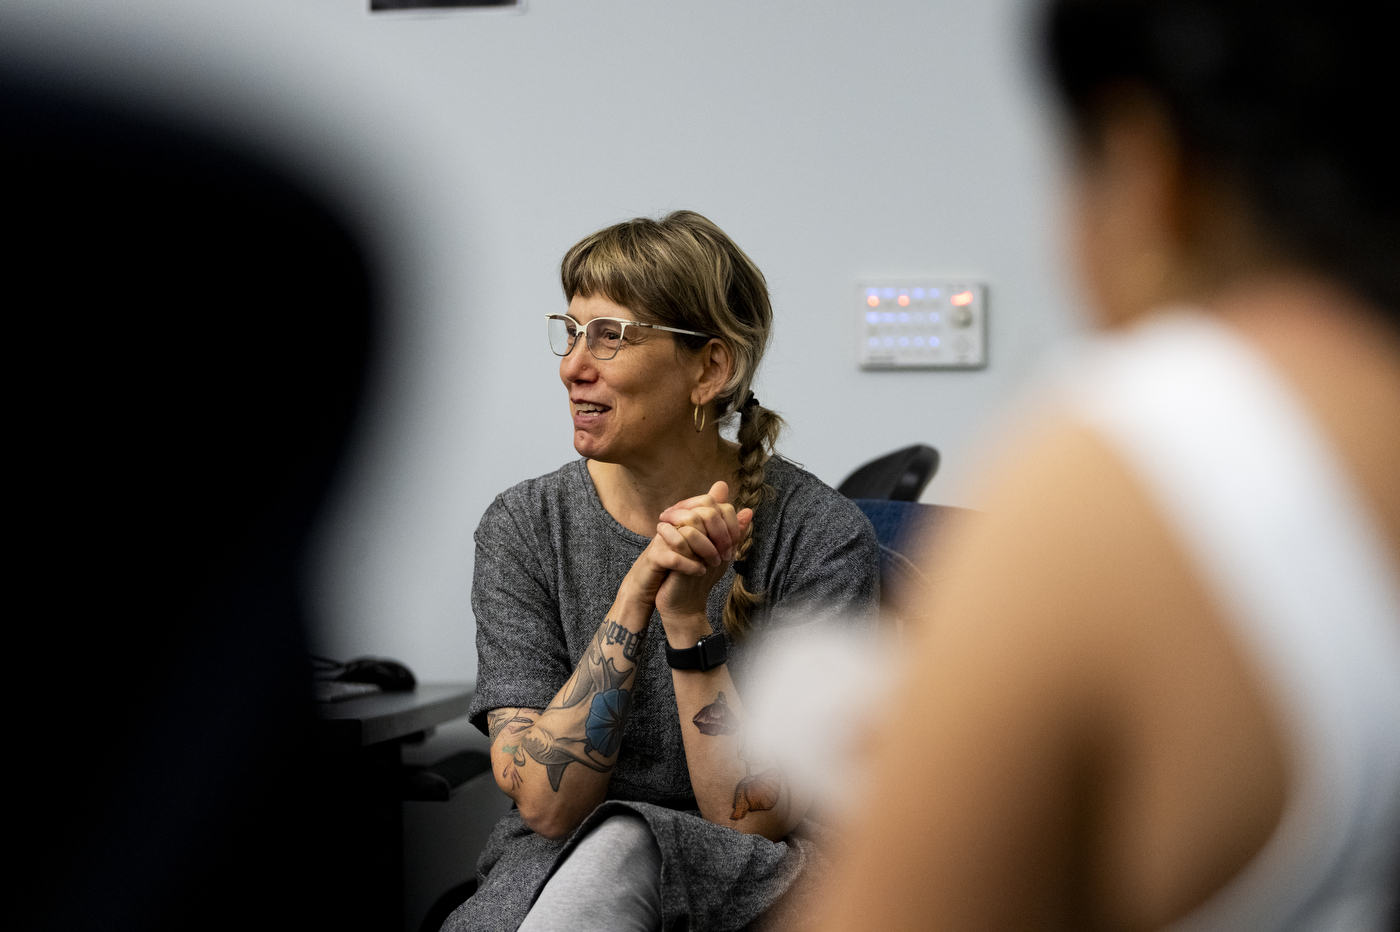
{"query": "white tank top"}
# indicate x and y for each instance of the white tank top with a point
(1275, 529)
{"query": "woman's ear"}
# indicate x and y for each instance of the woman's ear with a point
(716, 366)
(1129, 211)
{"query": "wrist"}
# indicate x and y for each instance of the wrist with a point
(684, 630)
(634, 602)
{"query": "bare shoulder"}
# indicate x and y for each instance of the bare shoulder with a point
(1073, 690)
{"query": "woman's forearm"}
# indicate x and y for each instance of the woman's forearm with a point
(556, 762)
(736, 784)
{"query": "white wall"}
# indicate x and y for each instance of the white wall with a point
(834, 141)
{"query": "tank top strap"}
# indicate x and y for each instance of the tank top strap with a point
(1277, 532)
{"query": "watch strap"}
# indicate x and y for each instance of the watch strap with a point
(709, 652)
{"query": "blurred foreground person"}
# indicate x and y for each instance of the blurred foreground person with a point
(1159, 683)
(189, 330)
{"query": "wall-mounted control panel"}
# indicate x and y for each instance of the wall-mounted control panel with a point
(926, 324)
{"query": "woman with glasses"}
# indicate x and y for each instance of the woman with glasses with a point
(618, 598)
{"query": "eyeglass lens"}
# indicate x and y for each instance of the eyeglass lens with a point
(604, 336)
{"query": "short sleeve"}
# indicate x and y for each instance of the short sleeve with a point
(832, 564)
(522, 656)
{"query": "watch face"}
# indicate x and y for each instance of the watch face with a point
(712, 651)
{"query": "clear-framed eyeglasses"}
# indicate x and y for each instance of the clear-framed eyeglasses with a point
(604, 335)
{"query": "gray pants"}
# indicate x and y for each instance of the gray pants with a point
(610, 882)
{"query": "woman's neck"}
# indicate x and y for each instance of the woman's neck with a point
(636, 493)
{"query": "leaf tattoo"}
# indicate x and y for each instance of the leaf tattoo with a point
(757, 793)
(717, 718)
(556, 755)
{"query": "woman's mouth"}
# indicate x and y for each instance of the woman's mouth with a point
(587, 409)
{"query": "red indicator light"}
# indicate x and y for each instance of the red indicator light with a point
(904, 300)
(873, 301)
(962, 298)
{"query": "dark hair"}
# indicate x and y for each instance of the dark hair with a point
(683, 271)
(1286, 101)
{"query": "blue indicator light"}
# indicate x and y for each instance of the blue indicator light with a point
(904, 318)
(903, 341)
(872, 292)
(933, 292)
(933, 341)
(887, 317)
(918, 294)
(887, 293)
(933, 318)
(873, 317)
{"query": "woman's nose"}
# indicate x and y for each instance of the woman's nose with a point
(578, 365)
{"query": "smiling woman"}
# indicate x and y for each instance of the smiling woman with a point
(671, 816)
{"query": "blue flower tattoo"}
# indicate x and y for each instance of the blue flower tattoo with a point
(605, 717)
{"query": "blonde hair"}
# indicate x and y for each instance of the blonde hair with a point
(683, 271)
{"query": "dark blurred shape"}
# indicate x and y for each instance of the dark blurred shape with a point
(189, 334)
(437, 782)
(1281, 100)
(388, 675)
(377, 5)
(899, 476)
(446, 905)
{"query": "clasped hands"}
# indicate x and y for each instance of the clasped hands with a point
(694, 543)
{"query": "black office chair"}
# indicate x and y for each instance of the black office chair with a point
(887, 490)
(899, 476)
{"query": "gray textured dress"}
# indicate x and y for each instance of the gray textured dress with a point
(549, 561)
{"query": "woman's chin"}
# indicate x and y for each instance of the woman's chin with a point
(589, 446)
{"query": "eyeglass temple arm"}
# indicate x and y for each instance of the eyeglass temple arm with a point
(630, 323)
(694, 333)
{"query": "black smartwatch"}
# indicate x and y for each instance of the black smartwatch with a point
(708, 653)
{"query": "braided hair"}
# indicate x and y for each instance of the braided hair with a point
(683, 271)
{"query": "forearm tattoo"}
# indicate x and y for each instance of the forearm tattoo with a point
(631, 641)
(598, 681)
(512, 722)
(717, 718)
(497, 720)
(756, 792)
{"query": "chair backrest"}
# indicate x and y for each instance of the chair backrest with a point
(903, 527)
(899, 476)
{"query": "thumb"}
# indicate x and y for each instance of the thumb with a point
(720, 492)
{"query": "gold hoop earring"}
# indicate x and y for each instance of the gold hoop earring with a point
(698, 418)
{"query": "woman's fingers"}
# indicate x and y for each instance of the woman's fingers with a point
(715, 518)
(679, 553)
(720, 524)
(701, 544)
(699, 501)
(718, 495)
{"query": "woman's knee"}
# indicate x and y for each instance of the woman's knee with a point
(623, 837)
